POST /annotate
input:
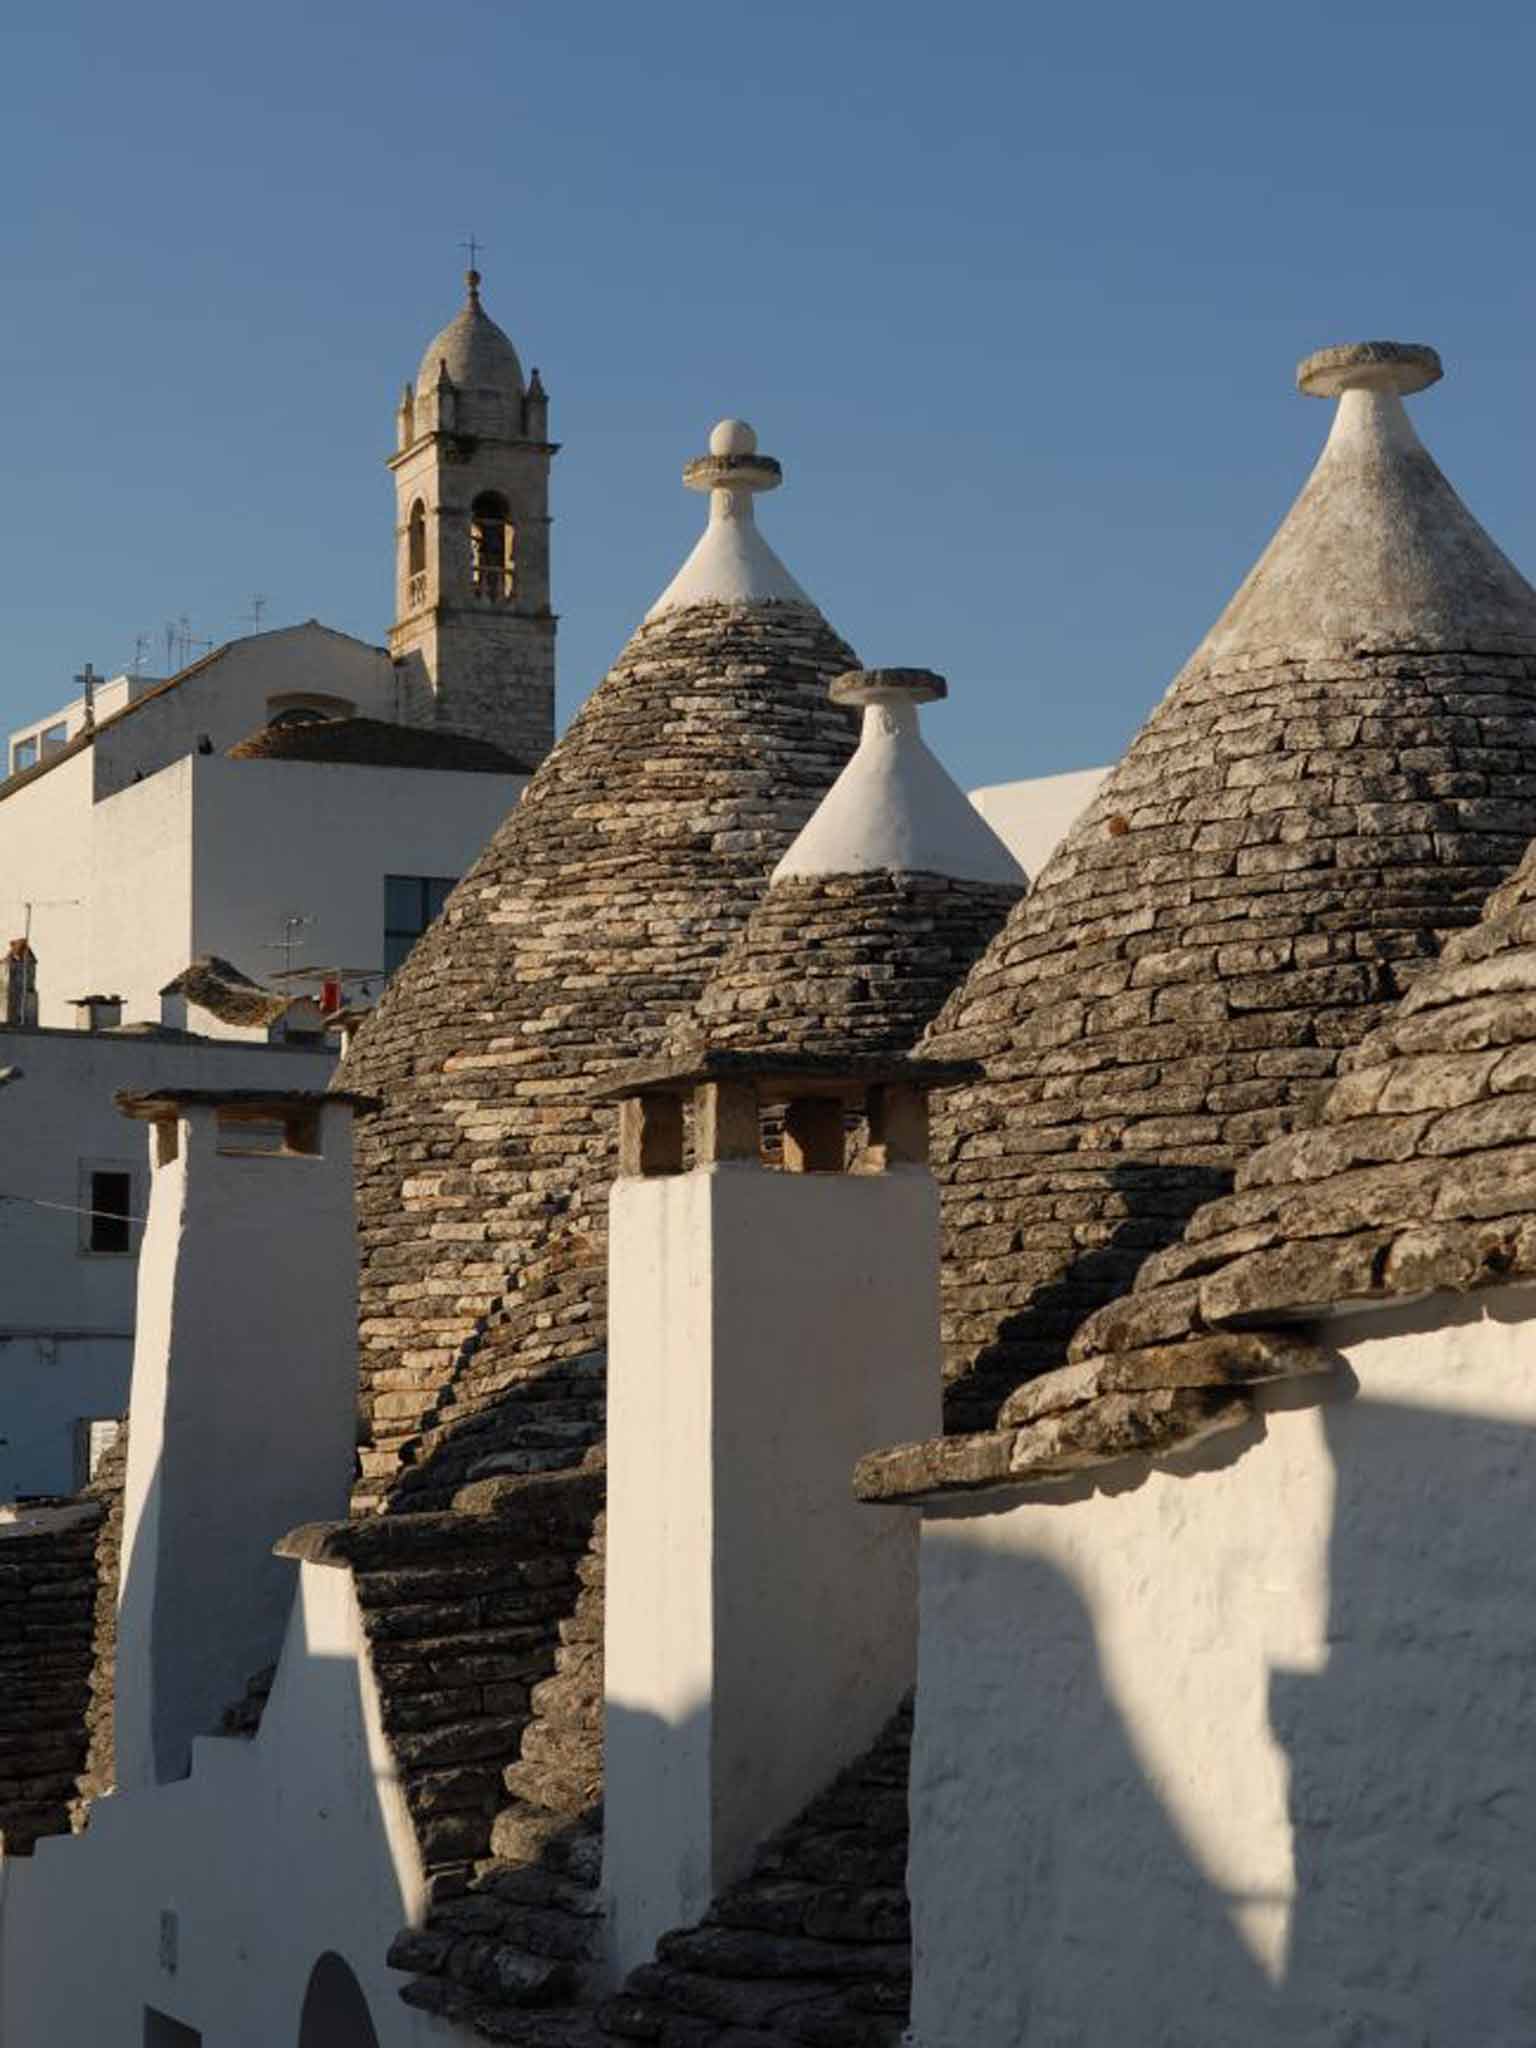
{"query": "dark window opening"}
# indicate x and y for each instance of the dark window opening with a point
(410, 904)
(490, 543)
(111, 1218)
(416, 556)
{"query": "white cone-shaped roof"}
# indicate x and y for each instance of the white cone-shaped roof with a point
(895, 808)
(732, 563)
(1378, 552)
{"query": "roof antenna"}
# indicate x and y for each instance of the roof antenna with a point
(259, 603)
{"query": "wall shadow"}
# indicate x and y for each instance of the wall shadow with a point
(1410, 1754)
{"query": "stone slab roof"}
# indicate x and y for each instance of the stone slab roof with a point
(597, 913)
(219, 987)
(375, 743)
(1326, 790)
(1419, 1175)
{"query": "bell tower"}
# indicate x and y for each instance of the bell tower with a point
(474, 637)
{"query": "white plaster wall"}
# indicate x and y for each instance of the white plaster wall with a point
(270, 1853)
(66, 1314)
(1242, 1752)
(1032, 817)
(228, 699)
(142, 859)
(765, 1329)
(318, 840)
(241, 1422)
(45, 857)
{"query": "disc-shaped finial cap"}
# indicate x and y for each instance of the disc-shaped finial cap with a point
(733, 462)
(1398, 366)
(881, 685)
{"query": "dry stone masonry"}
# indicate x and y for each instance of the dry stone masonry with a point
(596, 915)
(1339, 775)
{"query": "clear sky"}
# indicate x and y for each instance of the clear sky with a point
(1014, 292)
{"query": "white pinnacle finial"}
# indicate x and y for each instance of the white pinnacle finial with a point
(732, 563)
(895, 809)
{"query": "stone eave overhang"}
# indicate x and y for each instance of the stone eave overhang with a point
(778, 1076)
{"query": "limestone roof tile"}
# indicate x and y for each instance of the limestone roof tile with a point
(1335, 780)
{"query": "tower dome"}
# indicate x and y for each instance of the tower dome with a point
(1337, 777)
(478, 360)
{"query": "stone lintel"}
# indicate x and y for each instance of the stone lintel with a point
(783, 1077)
(154, 1105)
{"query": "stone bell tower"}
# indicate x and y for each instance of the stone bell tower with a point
(474, 636)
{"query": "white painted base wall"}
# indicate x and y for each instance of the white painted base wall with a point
(67, 1313)
(272, 1852)
(1246, 1753)
(765, 1329)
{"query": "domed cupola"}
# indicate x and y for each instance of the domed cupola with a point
(1338, 776)
(470, 380)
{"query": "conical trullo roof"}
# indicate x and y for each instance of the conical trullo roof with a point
(877, 911)
(596, 914)
(1339, 775)
(1418, 1176)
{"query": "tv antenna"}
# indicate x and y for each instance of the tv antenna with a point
(293, 925)
(259, 603)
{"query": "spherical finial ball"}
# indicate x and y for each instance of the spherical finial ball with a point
(733, 437)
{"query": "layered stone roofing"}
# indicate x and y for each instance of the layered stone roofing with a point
(1419, 1175)
(226, 992)
(1338, 776)
(595, 916)
(879, 908)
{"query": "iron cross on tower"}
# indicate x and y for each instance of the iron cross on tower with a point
(472, 248)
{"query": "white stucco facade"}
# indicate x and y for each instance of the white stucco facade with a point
(140, 853)
(242, 1415)
(211, 1899)
(1239, 1749)
(66, 1311)
(764, 1329)
(1034, 815)
(210, 855)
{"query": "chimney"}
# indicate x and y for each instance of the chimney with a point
(18, 995)
(766, 1327)
(98, 1013)
(242, 1411)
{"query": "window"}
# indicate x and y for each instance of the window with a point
(416, 557)
(24, 754)
(55, 738)
(410, 904)
(108, 1216)
(490, 545)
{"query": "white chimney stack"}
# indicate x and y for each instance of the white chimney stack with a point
(766, 1328)
(242, 1418)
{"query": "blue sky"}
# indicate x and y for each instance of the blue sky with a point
(1014, 293)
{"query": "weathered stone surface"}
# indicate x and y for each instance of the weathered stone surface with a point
(1197, 1362)
(1338, 777)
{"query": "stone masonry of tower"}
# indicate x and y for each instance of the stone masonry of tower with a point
(474, 635)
